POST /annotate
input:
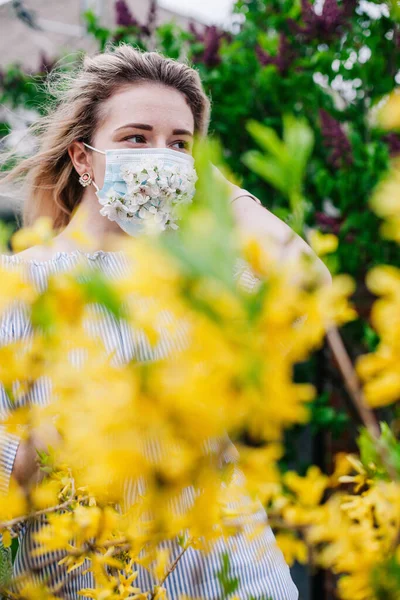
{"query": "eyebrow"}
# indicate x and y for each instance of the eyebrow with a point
(150, 128)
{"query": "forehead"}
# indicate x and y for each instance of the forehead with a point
(151, 103)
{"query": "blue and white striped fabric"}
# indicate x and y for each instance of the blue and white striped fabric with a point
(262, 578)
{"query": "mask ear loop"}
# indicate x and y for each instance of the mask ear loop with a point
(100, 152)
(92, 148)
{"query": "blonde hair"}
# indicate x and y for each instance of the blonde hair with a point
(50, 185)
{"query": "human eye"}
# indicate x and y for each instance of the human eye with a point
(183, 145)
(141, 139)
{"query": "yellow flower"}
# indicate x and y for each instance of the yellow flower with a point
(323, 243)
(386, 113)
(343, 467)
(15, 286)
(384, 280)
(308, 489)
(385, 202)
(40, 233)
(379, 369)
(36, 591)
(46, 494)
(383, 390)
(13, 504)
(160, 593)
(356, 586)
(6, 536)
(360, 479)
(162, 560)
(292, 547)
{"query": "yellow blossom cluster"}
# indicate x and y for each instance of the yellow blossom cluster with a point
(349, 523)
(144, 450)
(353, 533)
(163, 425)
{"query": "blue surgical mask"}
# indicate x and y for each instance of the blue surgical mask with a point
(143, 187)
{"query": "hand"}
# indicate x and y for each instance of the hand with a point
(43, 436)
(26, 466)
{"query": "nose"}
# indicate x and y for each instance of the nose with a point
(160, 141)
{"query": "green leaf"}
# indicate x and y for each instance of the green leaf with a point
(268, 168)
(268, 139)
(228, 583)
(299, 141)
(205, 243)
(98, 288)
(371, 456)
(385, 579)
(5, 565)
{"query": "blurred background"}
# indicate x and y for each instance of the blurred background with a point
(327, 61)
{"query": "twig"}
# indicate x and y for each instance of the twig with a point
(44, 511)
(171, 568)
(352, 382)
(354, 388)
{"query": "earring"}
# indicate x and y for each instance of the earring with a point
(85, 179)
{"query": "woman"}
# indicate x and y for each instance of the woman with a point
(123, 99)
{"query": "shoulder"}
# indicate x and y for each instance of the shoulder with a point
(253, 216)
(254, 219)
(38, 252)
(29, 257)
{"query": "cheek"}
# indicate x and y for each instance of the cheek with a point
(99, 166)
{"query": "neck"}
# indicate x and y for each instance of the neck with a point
(88, 230)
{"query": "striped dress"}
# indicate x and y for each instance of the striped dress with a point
(262, 579)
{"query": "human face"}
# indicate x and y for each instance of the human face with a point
(145, 115)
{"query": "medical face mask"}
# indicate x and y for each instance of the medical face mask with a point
(143, 187)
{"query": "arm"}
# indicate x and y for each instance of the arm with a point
(251, 217)
(9, 443)
(18, 458)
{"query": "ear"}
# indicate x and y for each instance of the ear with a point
(80, 158)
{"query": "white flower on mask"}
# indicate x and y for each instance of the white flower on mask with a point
(110, 198)
(127, 174)
(153, 189)
(144, 213)
(172, 223)
(142, 199)
(152, 177)
(112, 211)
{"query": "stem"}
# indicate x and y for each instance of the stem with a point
(352, 382)
(44, 511)
(354, 388)
(171, 568)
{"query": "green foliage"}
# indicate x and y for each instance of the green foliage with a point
(187, 244)
(172, 39)
(371, 452)
(6, 230)
(95, 287)
(268, 70)
(5, 565)
(324, 416)
(288, 137)
(228, 583)
(284, 162)
(385, 579)
(93, 27)
(21, 89)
